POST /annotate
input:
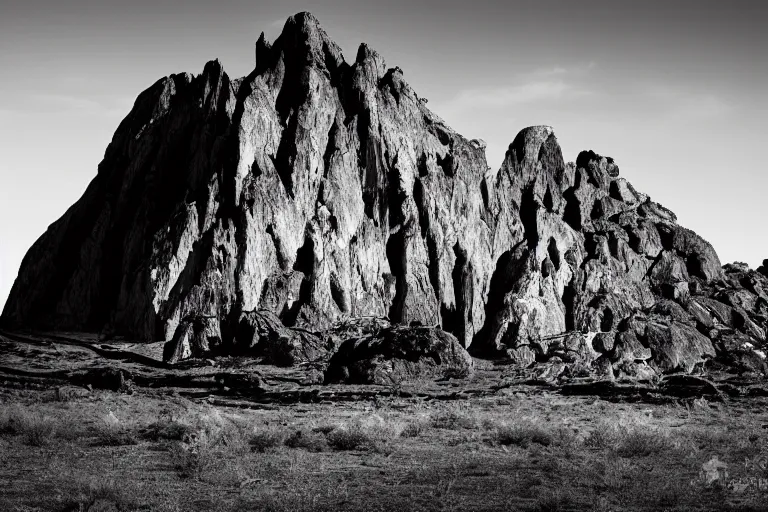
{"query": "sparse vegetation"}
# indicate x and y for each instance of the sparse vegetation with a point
(521, 453)
(266, 438)
(111, 431)
(308, 439)
(453, 419)
(34, 427)
(523, 433)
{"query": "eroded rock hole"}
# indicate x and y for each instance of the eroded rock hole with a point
(597, 210)
(554, 253)
(606, 323)
(694, 266)
(572, 212)
(569, 301)
(398, 264)
(528, 214)
(614, 192)
(484, 193)
(337, 294)
(422, 165)
(447, 164)
(548, 203)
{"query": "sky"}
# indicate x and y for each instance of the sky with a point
(673, 90)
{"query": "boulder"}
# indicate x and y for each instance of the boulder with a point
(196, 336)
(260, 333)
(395, 354)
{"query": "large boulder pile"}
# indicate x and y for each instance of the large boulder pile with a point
(263, 214)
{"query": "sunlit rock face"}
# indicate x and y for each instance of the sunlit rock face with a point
(315, 190)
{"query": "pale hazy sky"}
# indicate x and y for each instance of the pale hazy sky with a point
(674, 90)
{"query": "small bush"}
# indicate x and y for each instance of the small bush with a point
(350, 437)
(262, 440)
(195, 456)
(453, 419)
(307, 439)
(523, 434)
(415, 428)
(98, 493)
(373, 433)
(168, 430)
(628, 440)
(34, 428)
(637, 443)
(210, 440)
(112, 432)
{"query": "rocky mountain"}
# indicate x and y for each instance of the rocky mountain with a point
(265, 213)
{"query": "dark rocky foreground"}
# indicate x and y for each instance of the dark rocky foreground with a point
(65, 365)
(316, 212)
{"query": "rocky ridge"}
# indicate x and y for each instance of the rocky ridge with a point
(262, 215)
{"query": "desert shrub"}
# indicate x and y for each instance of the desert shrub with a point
(210, 438)
(628, 439)
(111, 431)
(350, 437)
(307, 439)
(196, 455)
(267, 438)
(415, 427)
(167, 430)
(639, 443)
(523, 434)
(453, 419)
(35, 428)
(374, 433)
(99, 493)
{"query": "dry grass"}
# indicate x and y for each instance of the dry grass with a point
(453, 419)
(111, 431)
(33, 426)
(525, 453)
(307, 439)
(267, 438)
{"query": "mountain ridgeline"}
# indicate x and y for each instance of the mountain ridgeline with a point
(317, 210)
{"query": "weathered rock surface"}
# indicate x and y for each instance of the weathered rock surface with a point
(395, 353)
(263, 214)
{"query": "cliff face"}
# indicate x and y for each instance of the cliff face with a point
(320, 191)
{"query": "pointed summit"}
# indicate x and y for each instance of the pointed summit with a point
(304, 41)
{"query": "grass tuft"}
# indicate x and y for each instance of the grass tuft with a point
(307, 439)
(35, 428)
(267, 438)
(113, 432)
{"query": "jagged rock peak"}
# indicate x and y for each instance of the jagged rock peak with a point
(314, 192)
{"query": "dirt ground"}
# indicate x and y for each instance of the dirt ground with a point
(229, 435)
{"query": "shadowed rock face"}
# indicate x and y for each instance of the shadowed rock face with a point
(315, 190)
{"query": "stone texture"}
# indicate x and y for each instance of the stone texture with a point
(286, 213)
(395, 354)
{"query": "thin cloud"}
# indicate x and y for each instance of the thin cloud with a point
(65, 103)
(502, 97)
(539, 85)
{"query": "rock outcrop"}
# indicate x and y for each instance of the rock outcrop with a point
(262, 214)
(392, 354)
